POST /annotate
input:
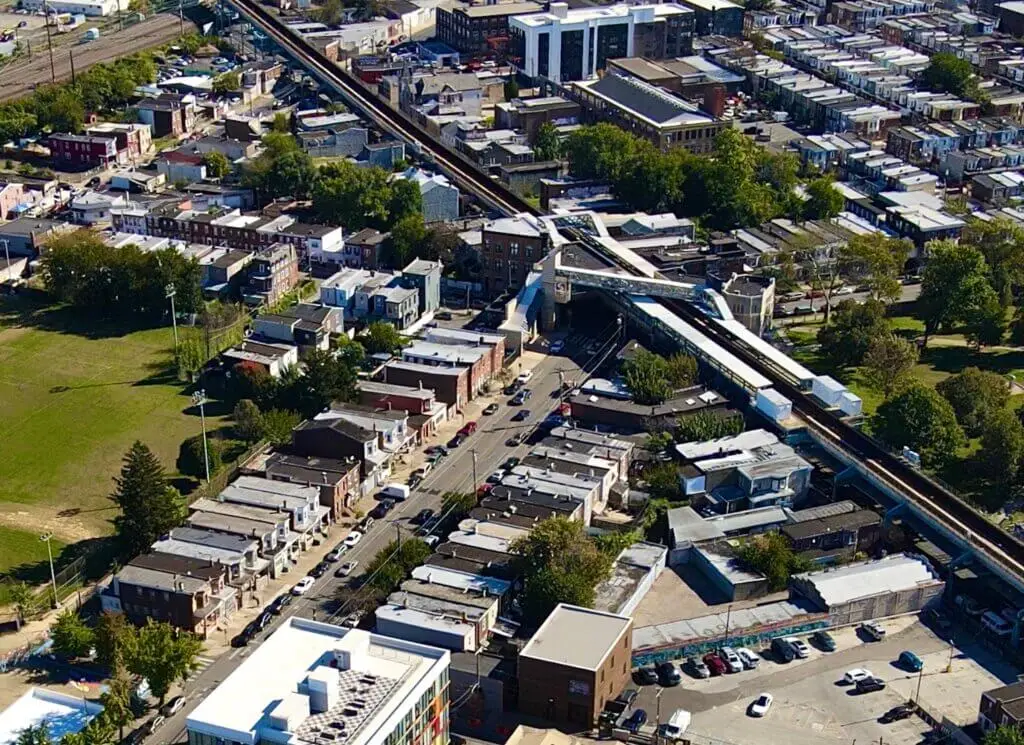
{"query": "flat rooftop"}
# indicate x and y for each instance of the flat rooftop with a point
(577, 637)
(61, 713)
(364, 680)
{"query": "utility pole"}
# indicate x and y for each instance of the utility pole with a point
(49, 43)
(181, 17)
(46, 538)
(398, 531)
(199, 399)
(7, 256)
(917, 696)
(473, 453)
(71, 56)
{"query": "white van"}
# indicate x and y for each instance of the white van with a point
(398, 492)
(676, 726)
(996, 624)
(524, 377)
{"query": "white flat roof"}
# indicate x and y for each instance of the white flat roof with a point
(777, 356)
(391, 675)
(868, 578)
(461, 580)
(61, 713)
(577, 637)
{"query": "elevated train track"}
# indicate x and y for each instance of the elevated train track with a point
(1004, 551)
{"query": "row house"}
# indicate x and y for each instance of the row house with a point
(133, 140)
(474, 358)
(829, 151)
(959, 166)
(272, 272)
(305, 325)
(168, 114)
(932, 141)
(879, 171)
(83, 151)
(922, 30)
(340, 439)
(234, 229)
(997, 187)
(862, 15)
(426, 412)
(780, 14)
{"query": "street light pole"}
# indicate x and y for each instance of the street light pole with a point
(917, 696)
(199, 399)
(46, 538)
(171, 291)
(475, 484)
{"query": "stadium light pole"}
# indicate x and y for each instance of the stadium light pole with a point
(199, 399)
(170, 290)
(46, 538)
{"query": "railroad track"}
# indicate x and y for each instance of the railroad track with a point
(940, 503)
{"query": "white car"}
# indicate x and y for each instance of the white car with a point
(749, 659)
(346, 569)
(496, 477)
(303, 586)
(858, 673)
(336, 554)
(352, 539)
(731, 659)
(761, 705)
(874, 631)
(800, 648)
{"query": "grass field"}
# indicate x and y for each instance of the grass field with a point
(76, 393)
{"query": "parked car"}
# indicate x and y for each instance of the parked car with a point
(346, 569)
(515, 440)
(800, 648)
(521, 397)
(761, 705)
(439, 450)
(870, 685)
(379, 511)
(154, 723)
(970, 606)
(910, 661)
(467, 429)
(645, 676)
(823, 641)
(353, 538)
(715, 664)
(668, 676)
(937, 621)
(510, 463)
(697, 667)
(850, 677)
(636, 720)
(456, 441)
(422, 516)
(748, 658)
(496, 477)
(896, 713)
(303, 586)
(872, 630)
(319, 570)
(173, 706)
(521, 415)
(365, 523)
(627, 698)
(279, 603)
(263, 620)
(731, 659)
(352, 620)
(491, 409)
(241, 639)
(782, 651)
(336, 553)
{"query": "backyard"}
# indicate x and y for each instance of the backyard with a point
(76, 392)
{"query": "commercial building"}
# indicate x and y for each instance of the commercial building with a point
(528, 114)
(649, 112)
(715, 17)
(896, 584)
(574, 44)
(578, 660)
(449, 384)
(309, 679)
(480, 29)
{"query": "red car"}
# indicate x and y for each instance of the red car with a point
(715, 664)
(484, 489)
(468, 429)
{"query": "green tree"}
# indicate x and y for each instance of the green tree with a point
(457, 505)
(511, 89)
(191, 357)
(919, 418)
(985, 324)
(405, 201)
(853, 326)
(281, 123)
(381, 337)
(330, 13)
(975, 396)
(659, 442)
(1006, 734)
(217, 164)
(278, 425)
(771, 555)
(888, 362)
(954, 278)
(325, 379)
(559, 563)
(1002, 446)
(663, 481)
(163, 655)
(352, 196)
(113, 639)
(394, 563)
(282, 169)
(248, 421)
(547, 145)
(704, 425)
(646, 376)
(117, 699)
(24, 601)
(681, 370)
(405, 240)
(1001, 242)
(875, 261)
(948, 73)
(192, 458)
(38, 734)
(824, 200)
(148, 506)
(71, 637)
(226, 83)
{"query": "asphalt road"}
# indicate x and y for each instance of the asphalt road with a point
(908, 294)
(455, 473)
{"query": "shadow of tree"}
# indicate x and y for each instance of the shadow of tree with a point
(35, 309)
(954, 359)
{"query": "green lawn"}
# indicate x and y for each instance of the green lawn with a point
(75, 393)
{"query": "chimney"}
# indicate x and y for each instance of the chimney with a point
(559, 10)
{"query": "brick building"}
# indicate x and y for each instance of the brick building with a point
(449, 384)
(273, 271)
(133, 140)
(83, 151)
(509, 248)
(168, 114)
(338, 479)
(479, 29)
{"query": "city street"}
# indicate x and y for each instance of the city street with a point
(454, 473)
(908, 294)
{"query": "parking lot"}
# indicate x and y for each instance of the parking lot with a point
(812, 705)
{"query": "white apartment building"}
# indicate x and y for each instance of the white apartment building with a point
(312, 679)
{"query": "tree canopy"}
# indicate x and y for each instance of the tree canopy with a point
(559, 563)
(955, 280)
(651, 378)
(71, 637)
(1002, 446)
(975, 395)
(364, 197)
(381, 337)
(163, 655)
(852, 328)
(771, 555)
(919, 418)
(888, 362)
(282, 169)
(947, 73)
(148, 506)
(824, 200)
